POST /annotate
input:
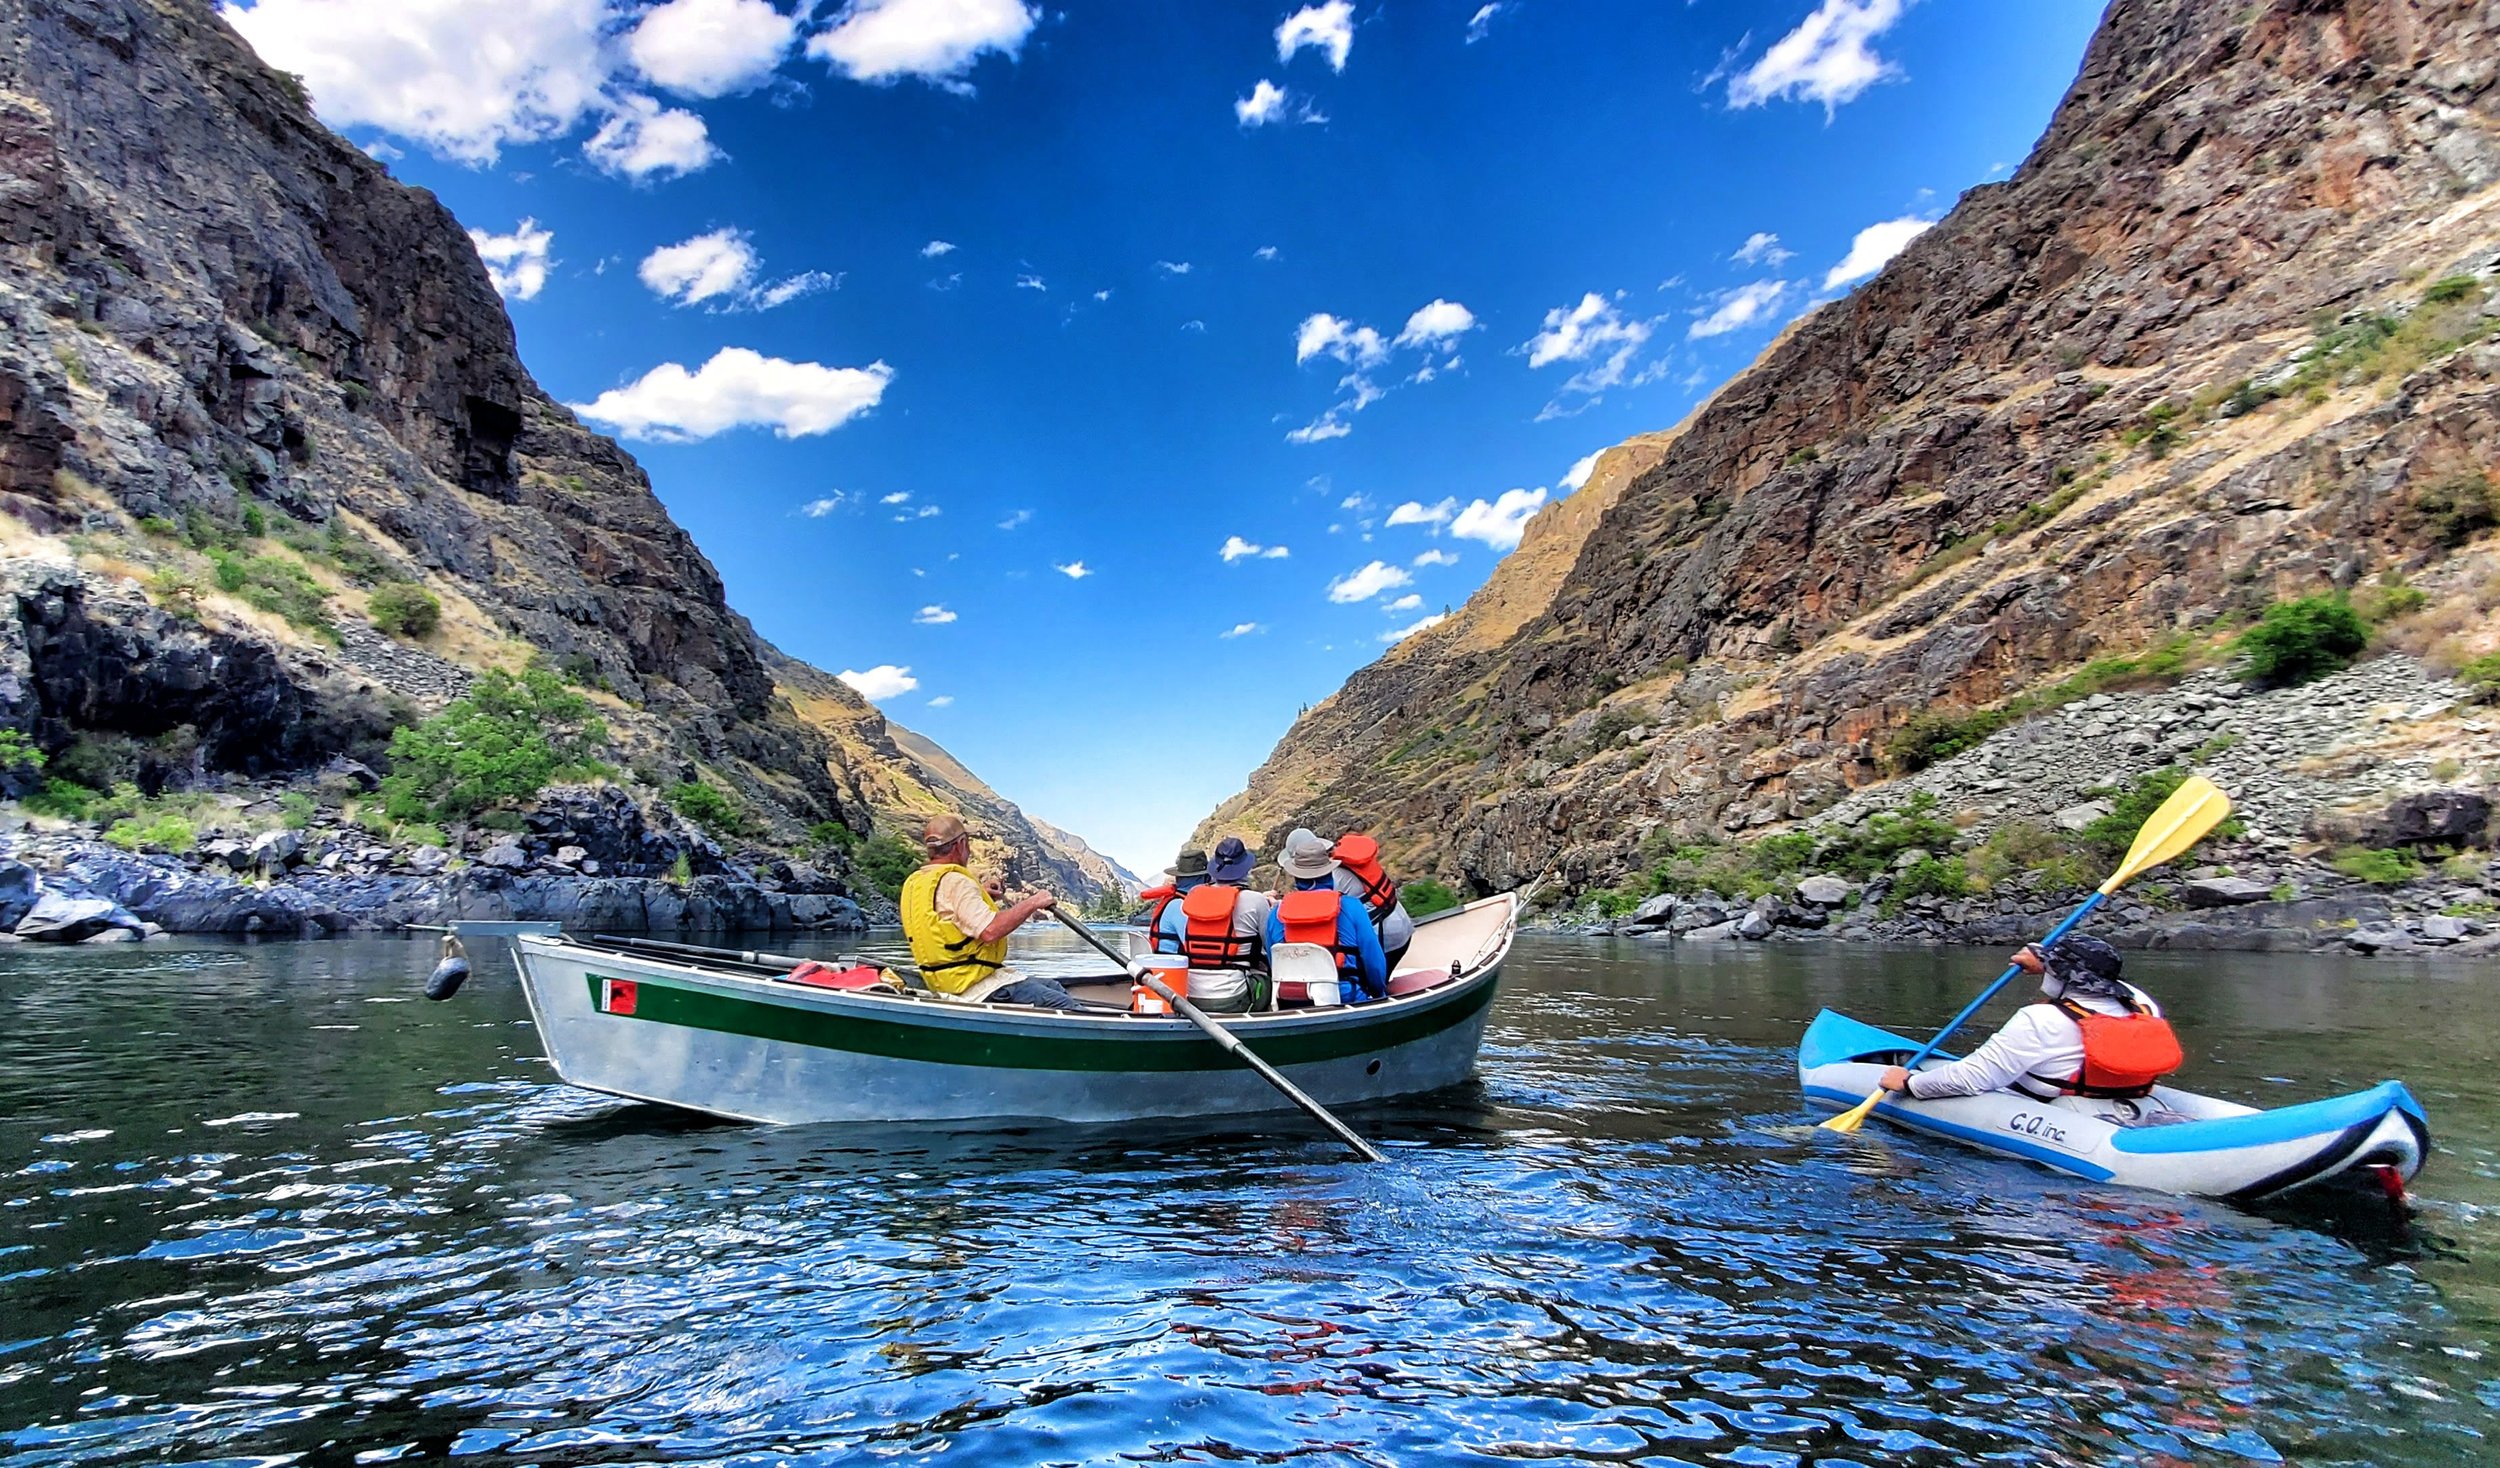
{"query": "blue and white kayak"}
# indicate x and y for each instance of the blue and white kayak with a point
(2174, 1140)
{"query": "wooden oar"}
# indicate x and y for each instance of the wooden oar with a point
(1230, 1042)
(746, 956)
(2196, 807)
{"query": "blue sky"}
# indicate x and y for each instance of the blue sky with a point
(968, 337)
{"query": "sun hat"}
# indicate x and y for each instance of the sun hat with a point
(1231, 862)
(2080, 965)
(1306, 855)
(1192, 863)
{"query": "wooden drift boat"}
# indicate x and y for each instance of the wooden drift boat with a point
(742, 1041)
(2220, 1149)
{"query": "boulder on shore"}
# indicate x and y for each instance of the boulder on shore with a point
(1824, 891)
(18, 891)
(2224, 891)
(67, 917)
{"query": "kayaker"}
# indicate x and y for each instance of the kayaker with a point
(1359, 875)
(1312, 910)
(1186, 873)
(2097, 1035)
(958, 931)
(1220, 924)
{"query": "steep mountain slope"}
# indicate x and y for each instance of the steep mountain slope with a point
(247, 378)
(2223, 337)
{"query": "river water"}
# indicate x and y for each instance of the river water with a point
(259, 1205)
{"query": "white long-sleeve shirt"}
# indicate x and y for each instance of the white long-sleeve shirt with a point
(2041, 1042)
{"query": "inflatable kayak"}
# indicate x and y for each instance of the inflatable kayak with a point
(2175, 1141)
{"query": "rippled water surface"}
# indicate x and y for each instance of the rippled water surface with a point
(261, 1205)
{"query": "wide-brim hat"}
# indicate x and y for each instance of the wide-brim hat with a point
(1231, 862)
(1306, 855)
(1192, 863)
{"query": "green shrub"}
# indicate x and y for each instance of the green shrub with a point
(2106, 840)
(2455, 508)
(833, 834)
(497, 747)
(62, 800)
(886, 859)
(296, 809)
(404, 609)
(158, 525)
(1424, 897)
(19, 754)
(1934, 735)
(255, 521)
(2301, 640)
(175, 593)
(2380, 866)
(708, 806)
(1933, 876)
(100, 760)
(165, 833)
(421, 833)
(2016, 847)
(2388, 600)
(681, 871)
(276, 585)
(2481, 678)
(1608, 902)
(2452, 289)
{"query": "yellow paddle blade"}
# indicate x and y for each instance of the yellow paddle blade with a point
(2196, 807)
(1855, 1117)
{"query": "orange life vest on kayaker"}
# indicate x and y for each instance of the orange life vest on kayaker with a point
(1310, 916)
(1360, 854)
(2123, 1054)
(1207, 936)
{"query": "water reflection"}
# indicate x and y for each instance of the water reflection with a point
(257, 1204)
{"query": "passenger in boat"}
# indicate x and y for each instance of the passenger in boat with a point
(1189, 871)
(1220, 924)
(2097, 1035)
(958, 931)
(1359, 876)
(1312, 910)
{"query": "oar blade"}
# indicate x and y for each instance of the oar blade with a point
(2192, 810)
(1855, 1117)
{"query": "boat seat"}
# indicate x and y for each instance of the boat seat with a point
(819, 976)
(1416, 980)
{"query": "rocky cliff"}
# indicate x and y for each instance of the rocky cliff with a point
(2225, 336)
(247, 380)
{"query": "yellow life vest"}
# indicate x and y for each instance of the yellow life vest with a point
(950, 959)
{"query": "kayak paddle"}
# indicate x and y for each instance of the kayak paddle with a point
(2196, 807)
(1230, 1043)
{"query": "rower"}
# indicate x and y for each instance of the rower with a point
(958, 931)
(2097, 1036)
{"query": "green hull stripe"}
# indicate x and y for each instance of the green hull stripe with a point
(730, 1015)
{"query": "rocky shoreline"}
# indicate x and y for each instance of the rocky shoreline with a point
(586, 857)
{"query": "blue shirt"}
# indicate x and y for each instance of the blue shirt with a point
(1355, 935)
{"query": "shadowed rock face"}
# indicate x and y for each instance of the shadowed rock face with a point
(208, 301)
(1760, 596)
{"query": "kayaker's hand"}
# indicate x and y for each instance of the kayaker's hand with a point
(1894, 1078)
(2027, 959)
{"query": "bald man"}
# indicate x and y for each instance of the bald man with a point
(958, 931)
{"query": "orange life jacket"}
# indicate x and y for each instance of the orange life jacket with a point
(1157, 899)
(2123, 1054)
(1207, 937)
(1311, 917)
(1360, 854)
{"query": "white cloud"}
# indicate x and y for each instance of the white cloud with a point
(1828, 58)
(462, 77)
(1501, 523)
(517, 262)
(817, 509)
(1073, 570)
(1368, 582)
(1030, 283)
(1742, 306)
(739, 388)
(905, 517)
(1242, 629)
(879, 683)
(935, 40)
(1358, 346)
(1320, 430)
(1265, 104)
(1017, 520)
(1264, 252)
(1441, 321)
(1578, 473)
(1406, 603)
(1415, 513)
(942, 701)
(1400, 634)
(898, 497)
(783, 292)
(710, 48)
(1173, 267)
(1761, 248)
(1236, 548)
(1103, 295)
(1328, 28)
(642, 139)
(934, 616)
(935, 248)
(1594, 332)
(1437, 557)
(717, 264)
(1482, 20)
(1873, 248)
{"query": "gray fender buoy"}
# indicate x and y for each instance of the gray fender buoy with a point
(450, 973)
